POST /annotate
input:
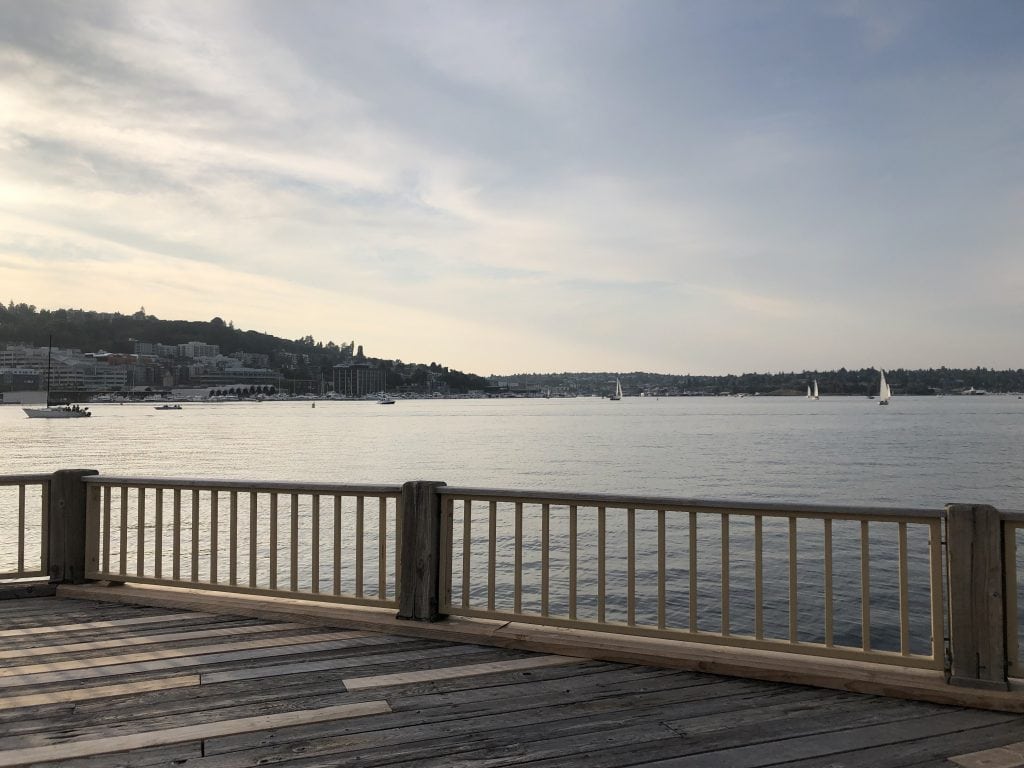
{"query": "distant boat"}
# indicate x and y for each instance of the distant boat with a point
(812, 394)
(52, 411)
(884, 391)
(171, 407)
(385, 400)
(618, 391)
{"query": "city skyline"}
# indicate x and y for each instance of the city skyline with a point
(675, 187)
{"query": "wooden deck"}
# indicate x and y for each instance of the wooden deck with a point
(86, 683)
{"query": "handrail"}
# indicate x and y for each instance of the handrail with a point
(366, 489)
(920, 588)
(686, 504)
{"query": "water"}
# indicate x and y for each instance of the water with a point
(922, 452)
(916, 452)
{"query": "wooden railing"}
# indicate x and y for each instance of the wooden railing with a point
(23, 526)
(918, 588)
(313, 541)
(826, 581)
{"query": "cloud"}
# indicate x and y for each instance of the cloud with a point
(699, 187)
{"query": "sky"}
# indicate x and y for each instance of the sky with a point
(510, 186)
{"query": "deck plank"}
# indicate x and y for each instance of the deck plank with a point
(178, 697)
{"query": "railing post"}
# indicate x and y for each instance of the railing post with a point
(420, 558)
(977, 615)
(66, 528)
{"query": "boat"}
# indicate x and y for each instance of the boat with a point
(884, 391)
(812, 394)
(170, 407)
(618, 391)
(55, 411)
(385, 400)
(58, 412)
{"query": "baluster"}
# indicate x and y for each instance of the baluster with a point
(631, 567)
(572, 562)
(106, 529)
(518, 588)
(829, 599)
(865, 587)
(158, 534)
(233, 539)
(21, 529)
(904, 592)
(314, 546)
(759, 577)
(661, 569)
(176, 543)
(123, 554)
(294, 544)
(467, 538)
(337, 544)
(382, 547)
(601, 575)
(492, 555)
(359, 546)
(140, 552)
(794, 631)
(253, 535)
(726, 623)
(545, 562)
(214, 534)
(693, 572)
(195, 535)
(273, 539)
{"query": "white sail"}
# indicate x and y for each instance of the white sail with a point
(884, 392)
(618, 391)
(815, 396)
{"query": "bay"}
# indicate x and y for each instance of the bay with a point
(915, 452)
(922, 452)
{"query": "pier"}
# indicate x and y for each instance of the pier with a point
(196, 622)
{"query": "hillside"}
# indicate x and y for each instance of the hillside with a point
(299, 359)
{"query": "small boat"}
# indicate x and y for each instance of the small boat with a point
(170, 407)
(58, 412)
(884, 391)
(385, 400)
(812, 394)
(618, 391)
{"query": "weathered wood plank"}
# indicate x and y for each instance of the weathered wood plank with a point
(87, 747)
(96, 692)
(468, 670)
(322, 665)
(164, 664)
(171, 653)
(934, 751)
(43, 629)
(168, 637)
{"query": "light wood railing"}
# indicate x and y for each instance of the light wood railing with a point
(918, 588)
(828, 581)
(23, 526)
(313, 541)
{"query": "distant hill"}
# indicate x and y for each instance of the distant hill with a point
(301, 359)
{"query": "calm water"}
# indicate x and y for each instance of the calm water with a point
(914, 452)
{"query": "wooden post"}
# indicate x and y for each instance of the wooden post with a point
(419, 566)
(977, 616)
(66, 526)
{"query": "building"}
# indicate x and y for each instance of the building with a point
(196, 349)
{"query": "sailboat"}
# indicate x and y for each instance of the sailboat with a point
(884, 391)
(618, 391)
(813, 394)
(55, 412)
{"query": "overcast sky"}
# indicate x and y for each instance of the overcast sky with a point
(517, 185)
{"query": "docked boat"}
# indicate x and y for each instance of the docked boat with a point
(884, 390)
